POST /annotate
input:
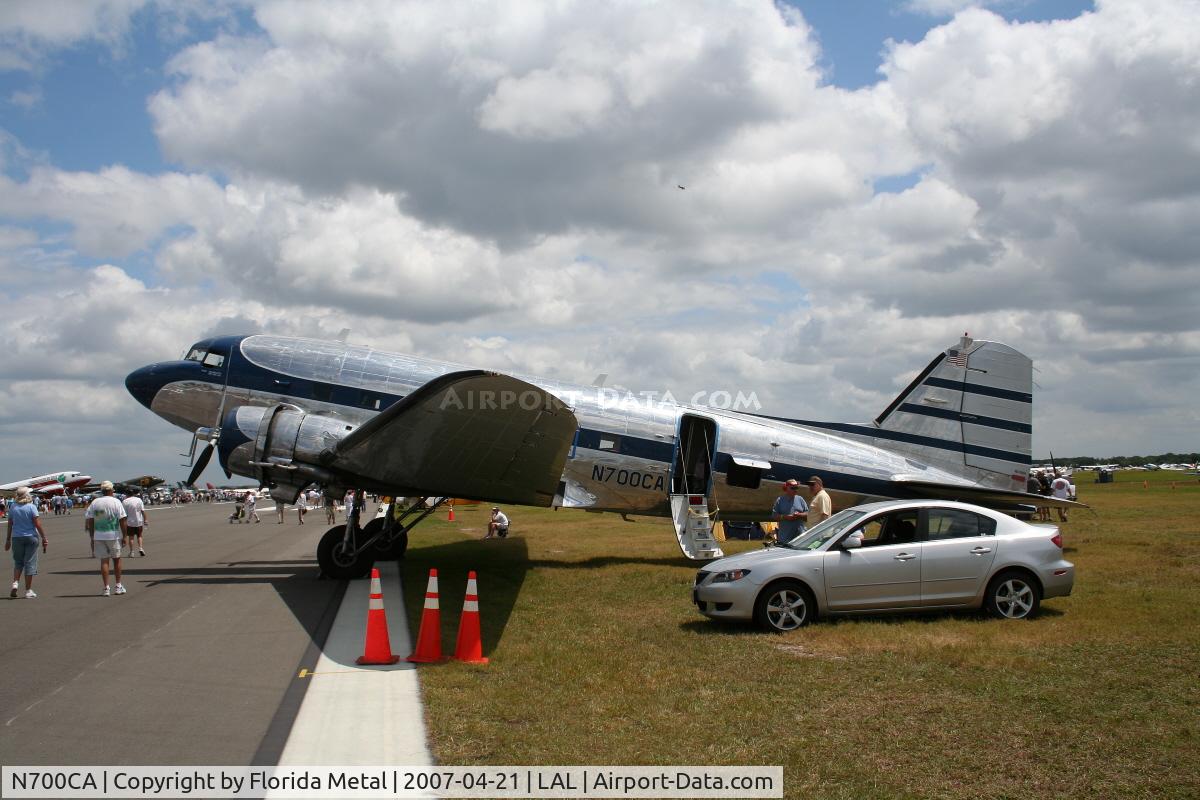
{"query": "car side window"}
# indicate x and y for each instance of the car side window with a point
(954, 523)
(899, 528)
(870, 532)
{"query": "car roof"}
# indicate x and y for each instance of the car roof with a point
(884, 505)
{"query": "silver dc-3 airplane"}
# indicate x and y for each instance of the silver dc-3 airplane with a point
(290, 412)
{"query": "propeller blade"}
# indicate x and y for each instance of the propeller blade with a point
(201, 463)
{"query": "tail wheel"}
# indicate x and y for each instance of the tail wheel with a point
(337, 558)
(785, 606)
(1013, 595)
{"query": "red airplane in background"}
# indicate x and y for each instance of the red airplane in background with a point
(54, 483)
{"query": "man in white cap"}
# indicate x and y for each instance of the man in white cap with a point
(105, 521)
(498, 525)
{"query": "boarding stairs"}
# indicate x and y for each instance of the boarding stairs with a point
(694, 527)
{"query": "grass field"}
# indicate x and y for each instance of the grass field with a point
(598, 657)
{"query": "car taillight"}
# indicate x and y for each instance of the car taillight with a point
(1057, 539)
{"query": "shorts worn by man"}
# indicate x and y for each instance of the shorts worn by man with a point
(105, 521)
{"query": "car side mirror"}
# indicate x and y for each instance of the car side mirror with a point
(852, 542)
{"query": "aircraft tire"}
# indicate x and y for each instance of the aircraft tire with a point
(338, 564)
(386, 549)
(393, 550)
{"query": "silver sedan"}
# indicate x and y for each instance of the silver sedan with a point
(900, 555)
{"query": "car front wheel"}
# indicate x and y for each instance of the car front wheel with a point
(1013, 595)
(785, 606)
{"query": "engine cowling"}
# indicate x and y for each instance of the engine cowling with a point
(279, 446)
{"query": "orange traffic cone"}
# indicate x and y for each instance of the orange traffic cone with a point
(378, 648)
(469, 647)
(429, 639)
(451, 517)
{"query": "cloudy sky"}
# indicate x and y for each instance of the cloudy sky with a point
(497, 184)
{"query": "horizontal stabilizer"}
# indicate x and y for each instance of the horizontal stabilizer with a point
(980, 495)
(473, 434)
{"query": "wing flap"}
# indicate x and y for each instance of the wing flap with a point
(472, 434)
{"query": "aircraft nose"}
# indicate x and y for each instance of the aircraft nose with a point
(144, 383)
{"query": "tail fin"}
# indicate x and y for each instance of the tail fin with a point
(969, 412)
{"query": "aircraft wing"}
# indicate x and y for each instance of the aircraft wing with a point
(473, 434)
(980, 495)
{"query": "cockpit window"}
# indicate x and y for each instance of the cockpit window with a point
(201, 354)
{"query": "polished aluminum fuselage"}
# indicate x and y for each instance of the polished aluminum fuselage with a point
(624, 456)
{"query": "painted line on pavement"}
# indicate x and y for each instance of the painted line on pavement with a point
(371, 714)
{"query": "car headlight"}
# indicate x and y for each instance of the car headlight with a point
(730, 576)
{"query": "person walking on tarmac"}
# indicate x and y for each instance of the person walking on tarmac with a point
(136, 520)
(24, 528)
(105, 522)
(251, 506)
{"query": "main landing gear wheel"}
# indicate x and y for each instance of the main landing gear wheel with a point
(385, 549)
(337, 558)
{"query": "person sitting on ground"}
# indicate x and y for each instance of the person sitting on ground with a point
(498, 525)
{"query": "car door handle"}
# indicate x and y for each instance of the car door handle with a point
(906, 557)
(981, 550)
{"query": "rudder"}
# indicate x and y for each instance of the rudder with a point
(969, 412)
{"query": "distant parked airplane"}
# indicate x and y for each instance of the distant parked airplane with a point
(131, 485)
(66, 482)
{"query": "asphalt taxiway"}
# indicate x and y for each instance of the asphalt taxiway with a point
(226, 650)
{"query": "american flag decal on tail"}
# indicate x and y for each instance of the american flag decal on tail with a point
(957, 357)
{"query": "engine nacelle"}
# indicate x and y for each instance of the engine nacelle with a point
(280, 447)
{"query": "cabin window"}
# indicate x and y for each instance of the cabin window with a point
(612, 443)
(370, 401)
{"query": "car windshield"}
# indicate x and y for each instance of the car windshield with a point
(819, 534)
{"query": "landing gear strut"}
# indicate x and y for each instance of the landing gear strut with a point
(346, 551)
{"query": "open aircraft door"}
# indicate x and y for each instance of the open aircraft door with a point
(691, 483)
